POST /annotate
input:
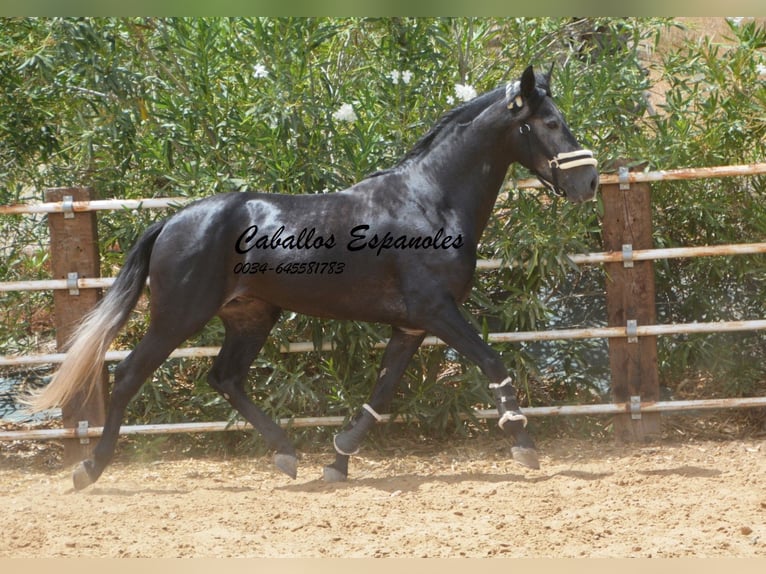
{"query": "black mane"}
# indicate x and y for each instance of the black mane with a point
(464, 113)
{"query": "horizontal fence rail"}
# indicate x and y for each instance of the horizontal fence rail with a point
(632, 409)
(685, 173)
(511, 337)
(94, 205)
(646, 254)
(482, 265)
(165, 202)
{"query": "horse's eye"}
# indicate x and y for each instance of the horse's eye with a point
(552, 124)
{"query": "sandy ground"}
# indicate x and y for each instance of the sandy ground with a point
(591, 498)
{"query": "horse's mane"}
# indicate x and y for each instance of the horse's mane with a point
(462, 114)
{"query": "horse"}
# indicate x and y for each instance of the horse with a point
(396, 248)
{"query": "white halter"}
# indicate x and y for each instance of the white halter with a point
(561, 161)
(570, 159)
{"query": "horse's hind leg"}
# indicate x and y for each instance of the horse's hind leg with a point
(129, 375)
(396, 357)
(248, 324)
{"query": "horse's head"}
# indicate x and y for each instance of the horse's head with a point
(545, 144)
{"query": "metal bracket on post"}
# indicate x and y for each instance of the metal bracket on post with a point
(635, 408)
(67, 206)
(82, 432)
(627, 255)
(71, 283)
(623, 178)
(632, 331)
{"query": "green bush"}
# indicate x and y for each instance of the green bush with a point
(147, 107)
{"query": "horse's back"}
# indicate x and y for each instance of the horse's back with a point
(338, 255)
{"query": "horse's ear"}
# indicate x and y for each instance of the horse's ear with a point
(549, 74)
(517, 93)
(528, 83)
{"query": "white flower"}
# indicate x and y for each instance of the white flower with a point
(396, 75)
(465, 92)
(345, 114)
(760, 69)
(260, 71)
(450, 100)
(736, 20)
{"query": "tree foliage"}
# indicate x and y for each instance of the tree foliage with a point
(143, 107)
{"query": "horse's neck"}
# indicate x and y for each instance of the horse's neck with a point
(466, 180)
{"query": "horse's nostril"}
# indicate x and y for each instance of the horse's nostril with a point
(594, 184)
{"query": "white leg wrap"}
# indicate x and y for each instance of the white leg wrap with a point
(355, 434)
(370, 410)
(509, 416)
(339, 451)
(506, 381)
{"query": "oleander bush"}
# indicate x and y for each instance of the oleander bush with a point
(149, 107)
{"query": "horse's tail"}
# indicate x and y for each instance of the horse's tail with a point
(80, 372)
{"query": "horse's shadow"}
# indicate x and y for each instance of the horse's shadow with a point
(412, 482)
(126, 492)
(395, 483)
(685, 470)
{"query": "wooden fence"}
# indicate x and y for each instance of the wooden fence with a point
(631, 329)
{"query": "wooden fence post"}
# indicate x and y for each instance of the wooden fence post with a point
(74, 254)
(630, 297)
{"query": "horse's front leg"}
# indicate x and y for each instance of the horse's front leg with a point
(448, 324)
(513, 422)
(397, 355)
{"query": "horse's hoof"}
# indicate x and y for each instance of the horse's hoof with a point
(287, 463)
(81, 478)
(333, 475)
(525, 456)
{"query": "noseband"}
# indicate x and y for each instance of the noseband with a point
(570, 159)
(560, 162)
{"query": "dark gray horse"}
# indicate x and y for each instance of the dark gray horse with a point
(398, 248)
